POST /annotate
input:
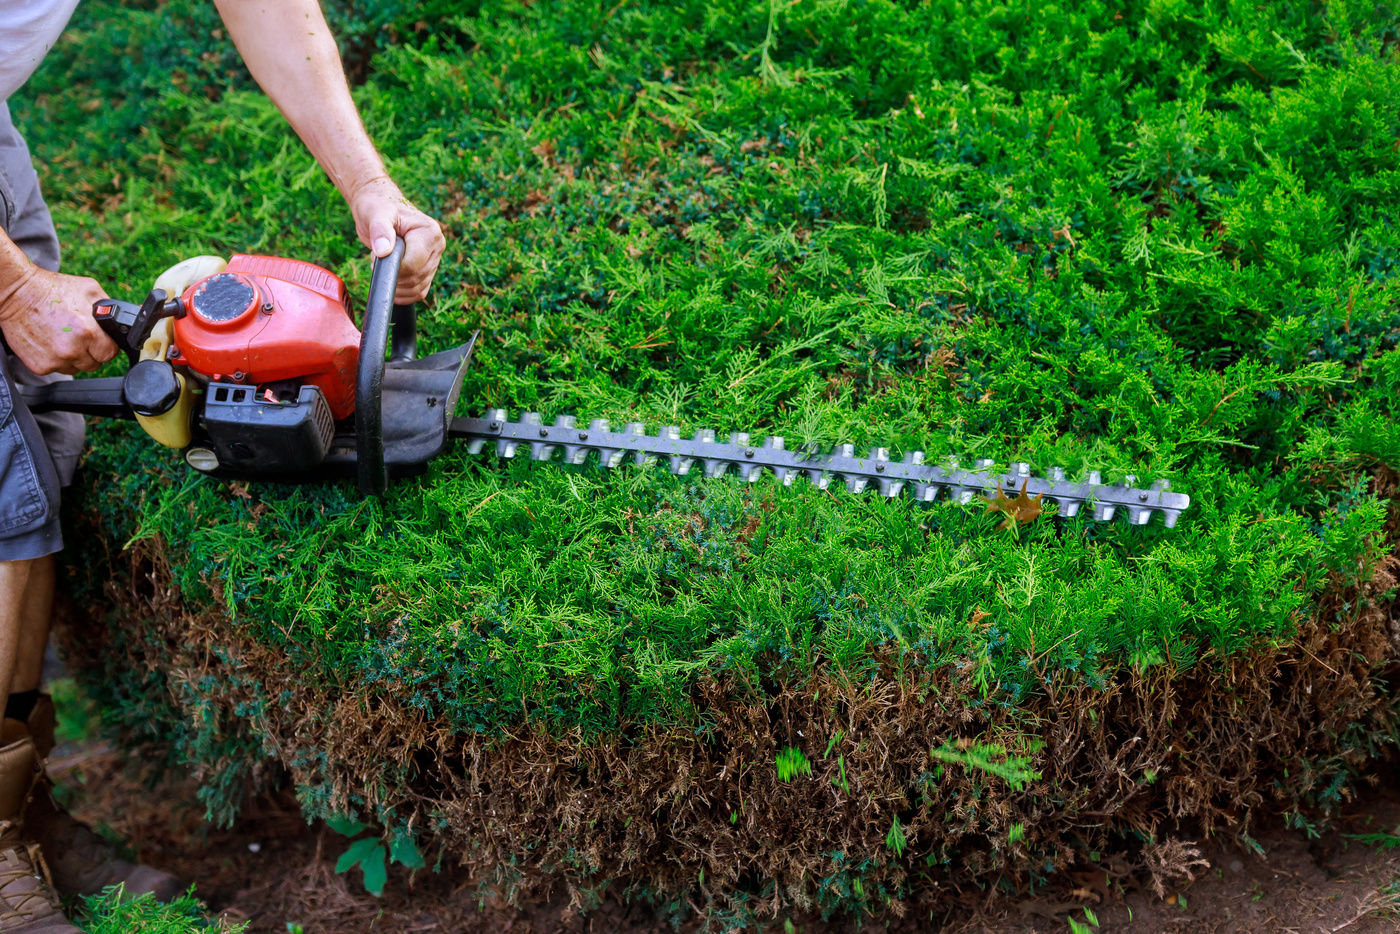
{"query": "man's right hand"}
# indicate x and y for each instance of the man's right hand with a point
(47, 321)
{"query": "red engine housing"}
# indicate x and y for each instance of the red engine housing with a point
(265, 319)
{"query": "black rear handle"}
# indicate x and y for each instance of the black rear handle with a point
(381, 316)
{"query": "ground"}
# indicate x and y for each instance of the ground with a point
(274, 871)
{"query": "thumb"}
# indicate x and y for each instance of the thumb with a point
(382, 233)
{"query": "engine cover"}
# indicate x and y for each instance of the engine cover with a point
(265, 319)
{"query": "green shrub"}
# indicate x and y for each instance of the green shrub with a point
(114, 912)
(1156, 240)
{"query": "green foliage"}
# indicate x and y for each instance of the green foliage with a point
(369, 854)
(895, 839)
(1381, 841)
(992, 759)
(114, 912)
(792, 763)
(1086, 926)
(1157, 239)
(76, 715)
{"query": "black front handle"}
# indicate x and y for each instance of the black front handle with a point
(381, 315)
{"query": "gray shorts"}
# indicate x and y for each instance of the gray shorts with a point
(38, 453)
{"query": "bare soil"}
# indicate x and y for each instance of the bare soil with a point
(273, 870)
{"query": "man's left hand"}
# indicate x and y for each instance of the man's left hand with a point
(381, 212)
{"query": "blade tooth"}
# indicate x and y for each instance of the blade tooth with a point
(775, 443)
(710, 466)
(496, 415)
(506, 448)
(914, 458)
(1103, 512)
(541, 451)
(575, 454)
(888, 488)
(565, 421)
(784, 475)
(926, 492)
(1129, 481)
(983, 463)
(1161, 486)
(1095, 478)
(1170, 516)
(1020, 470)
(599, 424)
(1057, 474)
(638, 430)
(676, 463)
(739, 438)
(531, 418)
(610, 457)
(475, 445)
(856, 484)
(1069, 508)
(847, 450)
(820, 478)
(750, 472)
(1137, 515)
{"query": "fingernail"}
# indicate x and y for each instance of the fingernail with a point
(382, 246)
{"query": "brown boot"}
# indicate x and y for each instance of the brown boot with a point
(28, 903)
(80, 861)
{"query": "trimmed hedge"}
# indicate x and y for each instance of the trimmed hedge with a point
(1157, 240)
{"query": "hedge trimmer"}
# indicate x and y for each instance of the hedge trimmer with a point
(254, 369)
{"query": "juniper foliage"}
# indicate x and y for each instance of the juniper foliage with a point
(1155, 238)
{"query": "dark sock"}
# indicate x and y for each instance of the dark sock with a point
(21, 705)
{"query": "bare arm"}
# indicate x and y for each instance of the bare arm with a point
(291, 54)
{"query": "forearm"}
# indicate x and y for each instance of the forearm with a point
(291, 54)
(15, 268)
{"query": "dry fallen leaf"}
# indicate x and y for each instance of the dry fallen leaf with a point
(1018, 509)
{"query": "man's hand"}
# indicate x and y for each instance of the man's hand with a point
(381, 211)
(291, 53)
(47, 321)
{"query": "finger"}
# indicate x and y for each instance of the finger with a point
(422, 248)
(104, 350)
(409, 293)
(381, 231)
(82, 359)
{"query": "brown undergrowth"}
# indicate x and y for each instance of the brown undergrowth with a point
(700, 815)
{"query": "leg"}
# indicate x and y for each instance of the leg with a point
(14, 582)
(35, 612)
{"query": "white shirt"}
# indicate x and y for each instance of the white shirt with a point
(28, 29)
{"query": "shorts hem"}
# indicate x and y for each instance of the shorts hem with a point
(45, 540)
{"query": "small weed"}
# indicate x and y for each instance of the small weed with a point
(1086, 926)
(992, 759)
(792, 763)
(895, 839)
(113, 911)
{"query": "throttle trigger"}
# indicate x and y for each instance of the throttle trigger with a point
(130, 325)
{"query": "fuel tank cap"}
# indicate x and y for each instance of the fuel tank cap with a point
(224, 297)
